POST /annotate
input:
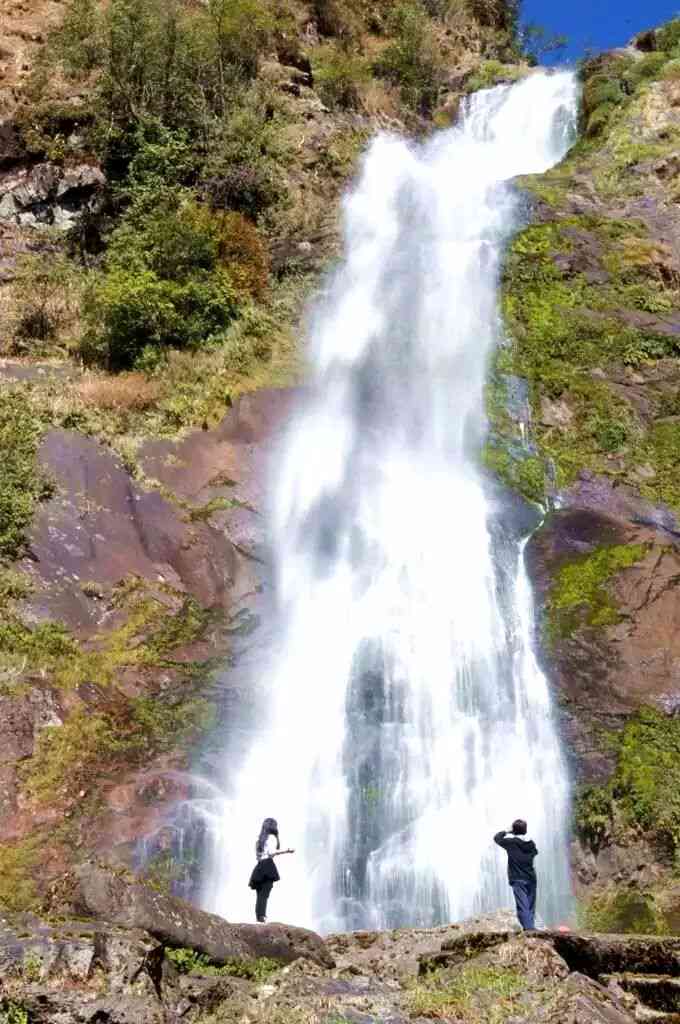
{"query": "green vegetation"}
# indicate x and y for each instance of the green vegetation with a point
(413, 61)
(69, 757)
(189, 961)
(129, 730)
(580, 594)
(481, 994)
(622, 911)
(150, 633)
(31, 966)
(494, 72)
(22, 486)
(18, 866)
(644, 790)
(13, 1013)
(590, 296)
(339, 77)
(521, 472)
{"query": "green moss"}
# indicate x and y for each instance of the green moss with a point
(647, 779)
(523, 473)
(661, 449)
(592, 815)
(151, 631)
(622, 911)
(580, 594)
(22, 484)
(564, 326)
(643, 793)
(18, 867)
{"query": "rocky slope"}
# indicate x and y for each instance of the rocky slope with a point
(153, 959)
(592, 307)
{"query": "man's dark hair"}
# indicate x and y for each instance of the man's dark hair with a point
(519, 827)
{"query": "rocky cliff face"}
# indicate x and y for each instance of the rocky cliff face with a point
(592, 308)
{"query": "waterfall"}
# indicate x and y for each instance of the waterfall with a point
(403, 718)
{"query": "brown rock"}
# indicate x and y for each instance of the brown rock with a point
(556, 413)
(101, 893)
(604, 674)
(100, 527)
(583, 1001)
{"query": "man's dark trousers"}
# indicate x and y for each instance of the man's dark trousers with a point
(263, 891)
(525, 898)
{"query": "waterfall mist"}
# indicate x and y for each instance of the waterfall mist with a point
(403, 718)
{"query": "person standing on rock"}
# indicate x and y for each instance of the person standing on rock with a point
(265, 872)
(521, 874)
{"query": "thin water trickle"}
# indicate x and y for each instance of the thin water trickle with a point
(403, 718)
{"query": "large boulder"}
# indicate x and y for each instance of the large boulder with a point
(115, 897)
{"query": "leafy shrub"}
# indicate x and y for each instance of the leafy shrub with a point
(44, 299)
(190, 961)
(671, 71)
(13, 1013)
(609, 434)
(668, 36)
(413, 61)
(490, 73)
(339, 77)
(186, 959)
(245, 188)
(647, 779)
(170, 280)
(128, 310)
(648, 67)
(593, 815)
(599, 120)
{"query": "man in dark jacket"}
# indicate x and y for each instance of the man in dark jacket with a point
(521, 875)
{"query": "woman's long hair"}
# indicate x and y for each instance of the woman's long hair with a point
(269, 828)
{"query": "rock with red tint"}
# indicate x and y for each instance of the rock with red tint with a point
(603, 674)
(230, 463)
(101, 527)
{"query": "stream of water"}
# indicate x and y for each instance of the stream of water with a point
(403, 718)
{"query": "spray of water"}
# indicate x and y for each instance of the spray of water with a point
(404, 718)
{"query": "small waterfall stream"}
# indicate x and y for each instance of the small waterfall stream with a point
(403, 718)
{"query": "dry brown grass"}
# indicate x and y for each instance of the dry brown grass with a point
(131, 391)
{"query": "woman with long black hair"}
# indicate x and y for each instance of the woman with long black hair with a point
(265, 872)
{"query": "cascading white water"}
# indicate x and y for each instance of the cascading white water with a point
(404, 718)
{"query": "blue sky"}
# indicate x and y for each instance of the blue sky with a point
(597, 24)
